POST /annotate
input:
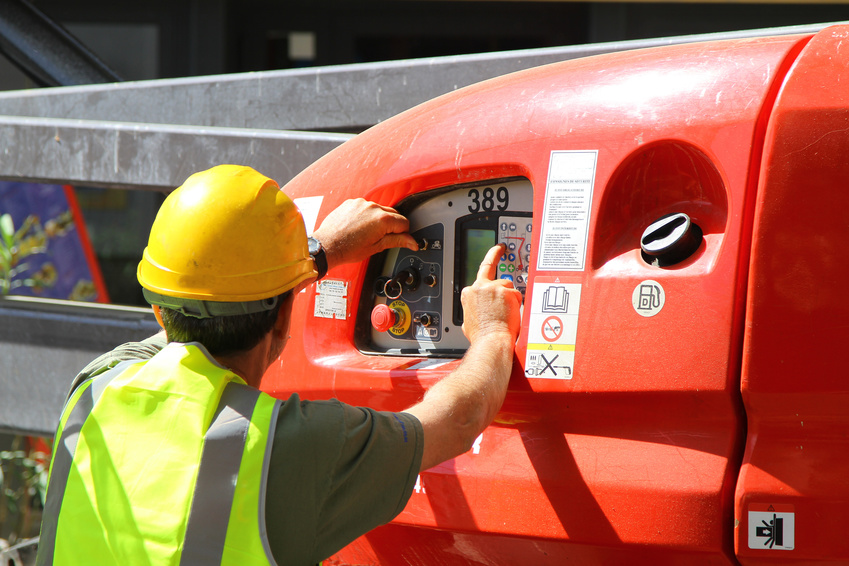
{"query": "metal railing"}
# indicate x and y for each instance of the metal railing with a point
(153, 134)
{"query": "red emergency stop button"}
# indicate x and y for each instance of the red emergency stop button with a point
(383, 318)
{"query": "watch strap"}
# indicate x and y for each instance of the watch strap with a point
(319, 256)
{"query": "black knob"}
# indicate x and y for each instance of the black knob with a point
(670, 239)
(379, 284)
(406, 279)
(409, 278)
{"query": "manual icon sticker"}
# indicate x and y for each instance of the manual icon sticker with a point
(553, 329)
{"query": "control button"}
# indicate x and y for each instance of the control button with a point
(430, 280)
(502, 267)
(507, 277)
(392, 289)
(512, 257)
(511, 268)
(423, 244)
(528, 228)
(512, 227)
(383, 318)
(520, 279)
(503, 257)
(426, 319)
(528, 247)
(511, 246)
(503, 226)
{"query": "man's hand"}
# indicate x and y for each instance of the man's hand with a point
(359, 229)
(491, 305)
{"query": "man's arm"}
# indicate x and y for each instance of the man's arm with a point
(457, 409)
(358, 229)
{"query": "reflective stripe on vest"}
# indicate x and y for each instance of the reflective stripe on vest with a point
(63, 454)
(219, 470)
(219, 520)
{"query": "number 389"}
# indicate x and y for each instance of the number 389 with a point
(489, 199)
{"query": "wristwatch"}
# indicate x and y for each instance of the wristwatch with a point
(318, 255)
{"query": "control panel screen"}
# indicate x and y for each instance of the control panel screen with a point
(478, 243)
(410, 304)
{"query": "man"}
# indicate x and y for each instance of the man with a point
(168, 454)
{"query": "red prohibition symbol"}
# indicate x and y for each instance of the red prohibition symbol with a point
(552, 329)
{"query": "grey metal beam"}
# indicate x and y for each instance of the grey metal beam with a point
(146, 156)
(44, 343)
(336, 98)
(45, 51)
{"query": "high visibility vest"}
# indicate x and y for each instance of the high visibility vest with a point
(161, 462)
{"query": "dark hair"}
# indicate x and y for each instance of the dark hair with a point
(221, 335)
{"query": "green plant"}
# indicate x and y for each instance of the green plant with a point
(15, 246)
(23, 482)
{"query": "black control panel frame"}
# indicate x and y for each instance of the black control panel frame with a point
(466, 271)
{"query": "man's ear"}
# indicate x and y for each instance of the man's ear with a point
(158, 316)
(284, 315)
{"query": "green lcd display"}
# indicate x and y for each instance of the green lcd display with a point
(478, 242)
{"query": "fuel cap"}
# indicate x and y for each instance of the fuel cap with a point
(670, 239)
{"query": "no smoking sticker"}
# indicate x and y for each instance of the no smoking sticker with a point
(552, 329)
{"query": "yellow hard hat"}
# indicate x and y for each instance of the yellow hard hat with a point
(228, 234)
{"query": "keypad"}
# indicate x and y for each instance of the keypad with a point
(516, 234)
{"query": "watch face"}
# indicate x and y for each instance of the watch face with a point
(314, 245)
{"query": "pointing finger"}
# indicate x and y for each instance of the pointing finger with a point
(489, 265)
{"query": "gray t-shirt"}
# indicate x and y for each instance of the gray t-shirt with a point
(337, 471)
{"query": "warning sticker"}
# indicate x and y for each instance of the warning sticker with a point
(772, 527)
(553, 329)
(566, 216)
(331, 300)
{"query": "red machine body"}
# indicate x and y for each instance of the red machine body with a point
(660, 412)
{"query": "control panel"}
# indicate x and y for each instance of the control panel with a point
(411, 302)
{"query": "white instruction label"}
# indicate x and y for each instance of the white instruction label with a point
(331, 300)
(566, 217)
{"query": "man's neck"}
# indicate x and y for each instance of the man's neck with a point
(250, 365)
